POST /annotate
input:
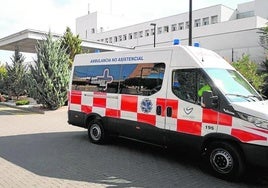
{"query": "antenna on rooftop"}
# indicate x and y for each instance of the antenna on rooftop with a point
(88, 8)
(111, 6)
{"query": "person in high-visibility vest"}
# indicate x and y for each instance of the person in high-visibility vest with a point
(202, 89)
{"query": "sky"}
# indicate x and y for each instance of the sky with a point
(56, 15)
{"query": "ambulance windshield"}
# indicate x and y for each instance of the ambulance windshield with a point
(233, 86)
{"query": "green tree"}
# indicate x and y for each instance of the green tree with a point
(3, 75)
(3, 71)
(15, 79)
(263, 38)
(72, 44)
(249, 70)
(48, 78)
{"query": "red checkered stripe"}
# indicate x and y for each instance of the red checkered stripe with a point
(203, 122)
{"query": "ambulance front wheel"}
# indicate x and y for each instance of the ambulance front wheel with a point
(96, 132)
(225, 160)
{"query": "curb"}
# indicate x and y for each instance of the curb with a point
(30, 108)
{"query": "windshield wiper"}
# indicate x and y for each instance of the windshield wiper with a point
(255, 96)
(247, 97)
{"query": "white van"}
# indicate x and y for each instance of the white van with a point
(172, 96)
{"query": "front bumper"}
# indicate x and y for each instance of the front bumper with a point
(256, 155)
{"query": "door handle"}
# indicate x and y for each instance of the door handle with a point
(159, 110)
(169, 111)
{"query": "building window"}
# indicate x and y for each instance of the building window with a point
(102, 40)
(106, 40)
(124, 37)
(197, 23)
(147, 32)
(140, 34)
(173, 27)
(110, 40)
(214, 19)
(245, 14)
(159, 30)
(206, 21)
(181, 26)
(130, 36)
(120, 37)
(115, 39)
(92, 30)
(186, 25)
(135, 35)
(166, 29)
(152, 31)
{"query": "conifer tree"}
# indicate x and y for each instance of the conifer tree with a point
(49, 76)
(3, 75)
(14, 81)
(72, 44)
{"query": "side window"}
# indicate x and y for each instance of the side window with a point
(189, 84)
(202, 85)
(141, 79)
(184, 84)
(96, 78)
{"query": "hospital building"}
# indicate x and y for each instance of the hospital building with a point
(229, 32)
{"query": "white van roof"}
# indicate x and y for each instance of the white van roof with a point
(178, 55)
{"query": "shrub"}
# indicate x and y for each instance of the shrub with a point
(249, 70)
(22, 102)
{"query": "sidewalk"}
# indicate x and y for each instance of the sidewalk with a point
(14, 176)
(13, 129)
(32, 107)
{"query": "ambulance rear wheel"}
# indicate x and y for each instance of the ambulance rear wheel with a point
(225, 160)
(96, 132)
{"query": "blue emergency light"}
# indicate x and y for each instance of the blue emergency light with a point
(196, 44)
(176, 41)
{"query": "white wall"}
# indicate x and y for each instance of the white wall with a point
(85, 24)
(245, 7)
(261, 8)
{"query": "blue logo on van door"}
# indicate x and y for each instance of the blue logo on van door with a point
(146, 105)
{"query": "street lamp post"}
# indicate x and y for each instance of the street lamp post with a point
(154, 25)
(190, 22)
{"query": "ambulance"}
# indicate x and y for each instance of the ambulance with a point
(176, 96)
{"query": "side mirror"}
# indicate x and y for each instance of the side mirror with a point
(208, 100)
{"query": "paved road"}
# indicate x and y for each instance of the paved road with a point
(44, 151)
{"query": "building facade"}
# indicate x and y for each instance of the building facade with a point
(231, 33)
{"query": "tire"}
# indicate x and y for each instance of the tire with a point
(96, 133)
(225, 161)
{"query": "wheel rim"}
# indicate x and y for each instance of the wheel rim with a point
(221, 161)
(95, 132)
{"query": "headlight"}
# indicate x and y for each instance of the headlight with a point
(261, 123)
